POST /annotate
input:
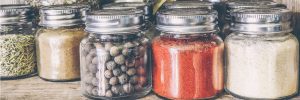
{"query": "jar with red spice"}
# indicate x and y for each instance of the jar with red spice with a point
(188, 55)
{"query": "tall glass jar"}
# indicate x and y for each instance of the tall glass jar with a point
(262, 55)
(188, 55)
(58, 42)
(146, 7)
(114, 56)
(233, 5)
(17, 44)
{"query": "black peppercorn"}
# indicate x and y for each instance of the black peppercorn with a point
(108, 93)
(131, 71)
(120, 59)
(123, 79)
(92, 68)
(128, 88)
(88, 78)
(113, 81)
(117, 71)
(95, 60)
(110, 65)
(108, 74)
(95, 81)
(89, 89)
(114, 51)
(124, 68)
(134, 79)
(95, 91)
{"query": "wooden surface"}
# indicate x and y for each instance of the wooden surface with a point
(36, 89)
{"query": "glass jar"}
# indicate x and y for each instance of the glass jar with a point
(58, 42)
(262, 55)
(115, 56)
(149, 27)
(233, 5)
(188, 56)
(17, 44)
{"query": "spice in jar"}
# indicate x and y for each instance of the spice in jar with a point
(112, 54)
(188, 57)
(58, 43)
(262, 55)
(17, 44)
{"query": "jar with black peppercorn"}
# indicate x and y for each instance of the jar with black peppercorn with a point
(114, 56)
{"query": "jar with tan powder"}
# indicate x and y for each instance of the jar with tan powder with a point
(262, 55)
(58, 42)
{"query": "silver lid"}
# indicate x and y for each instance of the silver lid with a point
(236, 4)
(12, 2)
(110, 21)
(188, 4)
(146, 7)
(10, 15)
(58, 16)
(187, 21)
(270, 20)
(27, 12)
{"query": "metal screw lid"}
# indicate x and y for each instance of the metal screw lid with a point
(61, 15)
(187, 21)
(12, 2)
(146, 7)
(10, 15)
(188, 4)
(27, 12)
(236, 4)
(271, 20)
(110, 21)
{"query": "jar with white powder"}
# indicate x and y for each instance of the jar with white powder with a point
(262, 55)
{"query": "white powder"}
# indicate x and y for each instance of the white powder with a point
(262, 67)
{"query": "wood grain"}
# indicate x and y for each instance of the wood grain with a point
(36, 89)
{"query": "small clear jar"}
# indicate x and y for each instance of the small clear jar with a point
(188, 55)
(17, 44)
(233, 5)
(58, 39)
(115, 56)
(148, 14)
(262, 55)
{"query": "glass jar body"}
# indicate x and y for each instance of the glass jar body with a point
(262, 66)
(58, 53)
(188, 66)
(115, 66)
(18, 56)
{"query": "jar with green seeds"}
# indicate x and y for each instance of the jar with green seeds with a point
(114, 58)
(17, 44)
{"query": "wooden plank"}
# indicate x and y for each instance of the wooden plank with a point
(36, 89)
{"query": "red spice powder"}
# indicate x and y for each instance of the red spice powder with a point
(188, 69)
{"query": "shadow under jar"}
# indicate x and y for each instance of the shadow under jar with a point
(17, 44)
(114, 57)
(58, 42)
(262, 55)
(188, 57)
